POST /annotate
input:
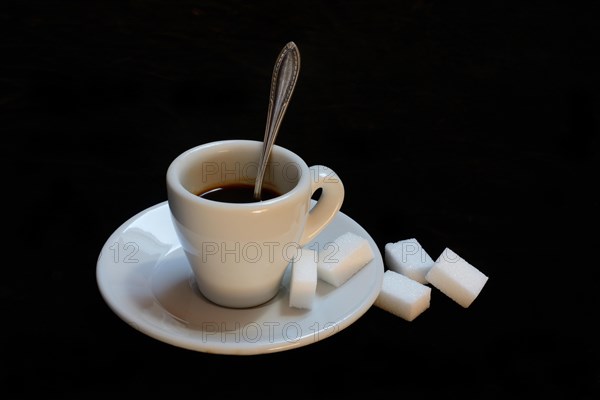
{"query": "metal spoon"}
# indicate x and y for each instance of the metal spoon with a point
(283, 81)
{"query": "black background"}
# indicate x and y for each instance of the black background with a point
(472, 126)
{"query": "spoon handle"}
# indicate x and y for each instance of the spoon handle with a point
(283, 82)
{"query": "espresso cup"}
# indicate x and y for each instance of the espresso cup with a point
(239, 251)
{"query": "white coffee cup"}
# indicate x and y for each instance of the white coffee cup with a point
(239, 252)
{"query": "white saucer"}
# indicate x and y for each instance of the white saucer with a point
(146, 280)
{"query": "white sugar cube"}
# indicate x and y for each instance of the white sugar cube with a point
(341, 259)
(456, 278)
(303, 280)
(408, 258)
(402, 296)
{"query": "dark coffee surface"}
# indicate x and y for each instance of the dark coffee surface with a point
(468, 125)
(238, 193)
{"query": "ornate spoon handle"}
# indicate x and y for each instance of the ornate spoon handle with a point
(283, 82)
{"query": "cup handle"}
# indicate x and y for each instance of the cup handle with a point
(329, 203)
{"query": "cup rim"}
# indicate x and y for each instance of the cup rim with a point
(179, 162)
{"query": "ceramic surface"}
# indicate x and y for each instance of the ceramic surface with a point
(240, 251)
